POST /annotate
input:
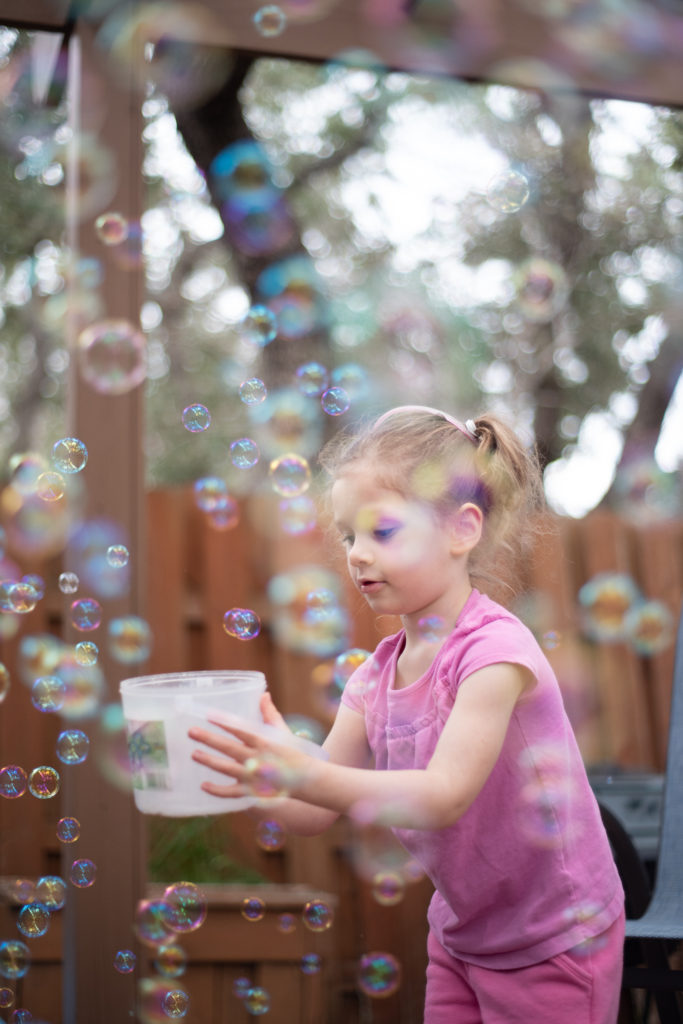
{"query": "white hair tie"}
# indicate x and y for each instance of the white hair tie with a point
(468, 429)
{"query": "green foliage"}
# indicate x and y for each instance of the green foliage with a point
(194, 850)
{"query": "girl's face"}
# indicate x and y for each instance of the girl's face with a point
(399, 555)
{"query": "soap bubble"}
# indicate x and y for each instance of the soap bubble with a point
(185, 907)
(196, 418)
(297, 515)
(6, 998)
(508, 191)
(353, 379)
(253, 391)
(379, 974)
(241, 623)
(542, 289)
(68, 829)
(130, 639)
(22, 597)
(68, 582)
(433, 628)
(270, 834)
(649, 627)
(43, 782)
(50, 486)
(13, 781)
(290, 475)
(311, 963)
(317, 915)
(111, 228)
(151, 924)
(86, 614)
(244, 453)
(241, 986)
(35, 581)
(286, 923)
(388, 888)
(225, 515)
(312, 378)
(176, 1003)
(125, 961)
(112, 356)
(267, 777)
(170, 960)
(257, 1001)
(270, 20)
(69, 455)
(209, 492)
(86, 652)
(51, 891)
(72, 746)
(335, 401)
(33, 920)
(83, 873)
(117, 555)
(15, 958)
(259, 326)
(605, 601)
(253, 908)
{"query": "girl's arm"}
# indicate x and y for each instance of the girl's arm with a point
(428, 798)
(345, 744)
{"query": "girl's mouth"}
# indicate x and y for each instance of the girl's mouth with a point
(369, 586)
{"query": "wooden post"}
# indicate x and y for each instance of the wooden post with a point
(99, 920)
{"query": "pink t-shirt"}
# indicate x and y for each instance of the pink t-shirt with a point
(527, 871)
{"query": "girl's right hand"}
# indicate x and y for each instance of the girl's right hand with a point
(270, 714)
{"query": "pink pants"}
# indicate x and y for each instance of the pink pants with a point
(581, 986)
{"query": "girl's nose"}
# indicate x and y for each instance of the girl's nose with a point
(359, 554)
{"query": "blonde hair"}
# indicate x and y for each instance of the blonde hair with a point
(425, 455)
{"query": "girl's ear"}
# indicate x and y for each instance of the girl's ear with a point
(466, 528)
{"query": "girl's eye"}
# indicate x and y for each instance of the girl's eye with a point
(347, 540)
(384, 532)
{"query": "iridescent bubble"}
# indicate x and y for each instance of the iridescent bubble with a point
(151, 924)
(297, 515)
(241, 986)
(259, 326)
(312, 379)
(83, 873)
(432, 628)
(257, 1001)
(69, 455)
(196, 418)
(267, 777)
(335, 401)
(317, 915)
(253, 908)
(35, 581)
(86, 614)
(508, 191)
(72, 746)
(112, 356)
(68, 829)
(15, 958)
(244, 453)
(171, 960)
(605, 600)
(353, 379)
(388, 888)
(4, 682)
(13, 781)
(50, 486)
(290, 475)
(550, 640)
(270, 21)
(649, 627)
(270, 834)
(345, 664)
(130, 639)
(117, 555)
(185, 907)
(124, 961)
(86, 652)
(253, 391)
(379, 974)
(209, 492)
(51, 891)
(33, 920)
(111, 228)
(20, 890)
(22, 597)
(85, 686)
(225, 515)
(542, 289)
(311, 963)
(241, 623)
(90, 542)
(307, 728)
(43, 782)
(68, 582)
(6, 998)
(176, 1003)
(286, 923)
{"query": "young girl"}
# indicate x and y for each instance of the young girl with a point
(454, 732)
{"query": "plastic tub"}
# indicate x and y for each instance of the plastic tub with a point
(158, 711)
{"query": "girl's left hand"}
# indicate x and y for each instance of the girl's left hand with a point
(259, 766)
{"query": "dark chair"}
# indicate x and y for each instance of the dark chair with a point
(654, 924)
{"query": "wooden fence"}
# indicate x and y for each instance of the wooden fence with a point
(618, 701)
